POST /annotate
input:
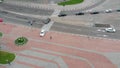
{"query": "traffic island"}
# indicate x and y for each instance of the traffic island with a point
(6, 57)
(21, 41)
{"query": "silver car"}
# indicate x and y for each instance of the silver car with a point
(108, 11)
(110, 30)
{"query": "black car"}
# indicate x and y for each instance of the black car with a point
(46, 21)
(94, 12)
(62, 15)
(80, 13)
(118, 10)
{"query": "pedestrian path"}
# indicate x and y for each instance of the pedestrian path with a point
(47, 27)
(17, 65)
(56, 13)
(37, 62)
(74, 51)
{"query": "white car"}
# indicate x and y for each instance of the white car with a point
(108, 11)
(110, 30)
(42, 33)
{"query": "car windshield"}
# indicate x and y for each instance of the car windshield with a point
(42, 32)
(110, 29)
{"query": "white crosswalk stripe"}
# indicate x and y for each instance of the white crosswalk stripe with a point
(56, 13)
(47, 27)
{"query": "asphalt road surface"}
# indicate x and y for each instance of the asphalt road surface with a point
(90, 31)
(27, 10)
(19, 19)
(109, 18)
(40, 1)
(82, 30)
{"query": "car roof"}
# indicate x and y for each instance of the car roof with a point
(42, 30)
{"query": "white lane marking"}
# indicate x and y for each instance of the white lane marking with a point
(55, 13)
(47, 27)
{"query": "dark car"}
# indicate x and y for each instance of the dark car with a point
(118, 10)
(94, 12)
(46, 21)
(80, 13)
(62, 15)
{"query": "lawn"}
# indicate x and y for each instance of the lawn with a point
(6, 57)
(1, 34)
(70, 2)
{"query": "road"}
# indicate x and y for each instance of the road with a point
(83, 30)
(91, 31)
(20, 9)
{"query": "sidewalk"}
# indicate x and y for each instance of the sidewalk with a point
(71, 48)
(90, 43)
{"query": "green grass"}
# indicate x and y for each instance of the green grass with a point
(6, 56)
(1, 34)
(70, 2)
(21, 41)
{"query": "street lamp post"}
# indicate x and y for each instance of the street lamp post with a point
(8, 62)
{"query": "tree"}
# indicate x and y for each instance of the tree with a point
(1, 1)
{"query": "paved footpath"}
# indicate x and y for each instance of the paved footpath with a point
(63, 50)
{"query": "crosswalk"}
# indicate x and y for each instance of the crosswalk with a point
(47, 27)
(56, 13)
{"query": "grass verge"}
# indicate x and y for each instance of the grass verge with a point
(6, 57)
(70, 2)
